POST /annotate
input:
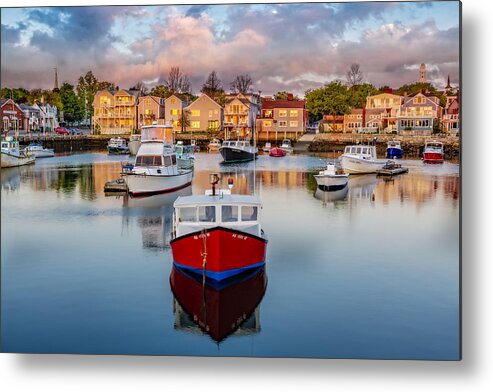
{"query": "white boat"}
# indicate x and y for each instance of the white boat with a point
(184, 155)
(286, 146)
(155, 170)
(331, 179)
(117, 145)
(267, 147)
(134, 144)
(361, 159)
(12, 155)
(39, 151)
(214, 145)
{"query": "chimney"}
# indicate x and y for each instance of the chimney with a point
(388, 90)
(290, 96)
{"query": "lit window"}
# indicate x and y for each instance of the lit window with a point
(267, 113)
(174, 112)
(283, 113)
(210, 113)
(293, 113)
(293, 123)
(175, 123)
(195, 113)
(267, 124)
(195, 124)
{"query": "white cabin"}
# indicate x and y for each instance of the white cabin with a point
(362, 152)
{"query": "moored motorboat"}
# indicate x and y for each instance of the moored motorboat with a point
(267, 147)
(184, 156)
(286, 146)
(156, 169)
(360, 159)
(277, 152)
(117, 145)
(12, 155)
(394, 149)
(39, 151)
(331, 179)
(433, 152)
(134, 144)
(238, 151)
(218, 235)
(214, 145)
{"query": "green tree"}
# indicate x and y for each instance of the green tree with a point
(184, 120)
(284, 95)
(331, 99)
(358, 94)
(19, 94)
(160, 91)
(72, 110)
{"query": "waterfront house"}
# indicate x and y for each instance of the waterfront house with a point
(48, 116)
(418, 114)
(174, 106)
(240, 114)
(150, 109)
(353, 121)
(450, 119)
(282, 119)
(115, 113)
(383, 107)
(32, 117)
(333, 123)
(12, 116)
(205, 115)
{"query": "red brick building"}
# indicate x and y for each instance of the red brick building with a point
(11, 115)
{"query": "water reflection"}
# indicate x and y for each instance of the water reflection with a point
(331, 197)
(218, 311)
(11, 179)
(154, 216)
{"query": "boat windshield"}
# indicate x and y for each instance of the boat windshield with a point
(213, 213)
(149, 160)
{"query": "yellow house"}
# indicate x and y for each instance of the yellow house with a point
(205, 114)
(240, 113)
(115, 113)
(174, 106)
(150, 109)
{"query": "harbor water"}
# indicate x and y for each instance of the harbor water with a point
(371, 271)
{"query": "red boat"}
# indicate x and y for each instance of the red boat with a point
(218, 235)
(433, 152)
(218, 311)
(277, 152)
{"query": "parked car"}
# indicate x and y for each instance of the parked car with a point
(62, 131)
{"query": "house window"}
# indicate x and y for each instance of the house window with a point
(174, 112)
(175, 123)
(216, 111)
(213, 124)
(195, 113)
(267, 123)
(268, 113)
(283, 124)
(293, 123)
(293, 113)
(283, 113)
(148, 101)
(210, 113)
(195, 124)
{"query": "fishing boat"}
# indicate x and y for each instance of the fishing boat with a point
(286, 146)
(12, 155)
(155, 170)
(218, 310)
(214, 145)
(117, 145)
(267, 147)
(277, 152)
(433, 152)
(394, 149)
(360, 159)
(39, 151)
(331, 179)
(218, 235)
(184, 155)
(134, 144)
(238, 151)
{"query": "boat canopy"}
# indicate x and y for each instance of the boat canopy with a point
(361, 150)
(236, 143)
(157, 133)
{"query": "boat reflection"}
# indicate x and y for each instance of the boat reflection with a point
(154, 216)
(220, 310)
(11, 178)
(362, 186)
(331, 196)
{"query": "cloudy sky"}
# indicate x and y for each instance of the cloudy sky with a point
(282, 46)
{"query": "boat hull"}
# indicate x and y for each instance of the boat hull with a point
(231, 154)
(118, 150)
(146, 185)
(394, 153)
(9, 160)
(353, 165)
(133, 146)
(277, 152)
(45, 153)
(229, 252)
(331, 182)
(433, 157)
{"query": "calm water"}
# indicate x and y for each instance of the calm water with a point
(368, 273)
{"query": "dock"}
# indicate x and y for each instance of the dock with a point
(392, 169)
(119, 185)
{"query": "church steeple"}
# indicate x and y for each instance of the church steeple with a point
(448, 83)
(55, 84)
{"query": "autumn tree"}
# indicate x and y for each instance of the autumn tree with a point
(177, 81)
(241, 84)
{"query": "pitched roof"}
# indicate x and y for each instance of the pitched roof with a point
(282, 103)
(201, 98)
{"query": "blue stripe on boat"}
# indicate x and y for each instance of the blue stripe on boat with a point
(219, 275)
